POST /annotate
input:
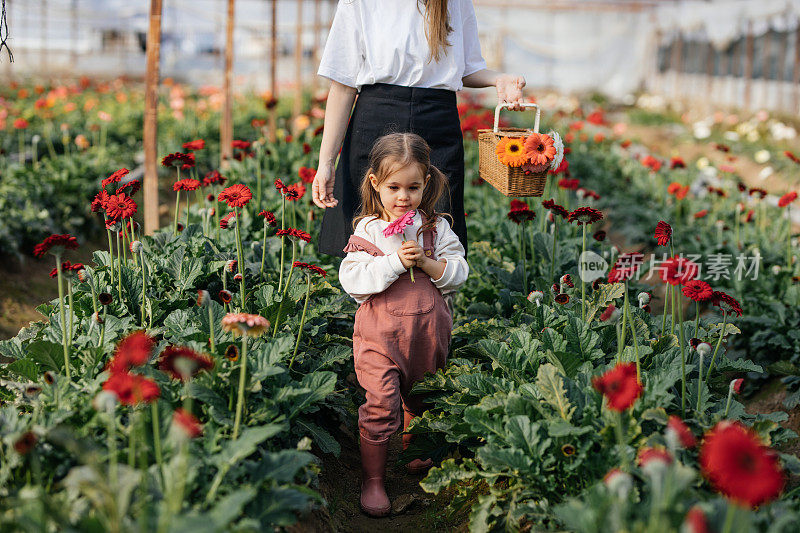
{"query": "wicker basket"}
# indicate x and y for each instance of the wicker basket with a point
(511, 181)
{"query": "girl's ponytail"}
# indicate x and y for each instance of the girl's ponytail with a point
(437, 186)
(437, 27)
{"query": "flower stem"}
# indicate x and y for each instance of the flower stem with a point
(719, 343)
(788, 238)
(112, 453)
(729, 518)
(624, 324)
(239, 253)
(211, 327)
(675, 304)
(522, 257)
(263, 252)
(666, 307)
(621, 440)
(633, 334)
(283, 296)
(157, 438)
(700, 383)
(240, 398)
(111, 254)
(302, 321)
(555, 242)
(144, 286)
(583, 291)
(696, 318)
(283, 226)
(132, 439)
(177, 207)
(63, 318)
(103, 327)
(728, 403)
(119, 270)
(71, 331)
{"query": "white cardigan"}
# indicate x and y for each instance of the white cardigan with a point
(362, 274)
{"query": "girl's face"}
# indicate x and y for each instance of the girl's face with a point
(401, 191)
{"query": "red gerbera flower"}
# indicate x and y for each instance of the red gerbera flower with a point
(116, 177)
(569, 183)
(556, 208)
(663, 233)
(120, 206)
(186, 184)
(225, 296)
(225, 221)
(307, 174)
(787, 199)
(183, 363)
(214, 177)
(99, 201)
(562, 298)
(676, 162)
(626, 266)
(178, 159)
(648, 454)
(619, 385)
(310, 268)
(132, 187)
(20, 124)
(132, 389)
(294, 234)
(187, 423)
(701, 213)
(652, 163)
(757, 191)
(520, 212)
(678, 270)
(681, 432)
(695, 521)
(56, 243)
(133, 350)
(269, 218)
(306, 148)
(726, 302)
(295, 191)
(585, 215)
(787, 153)
(240, 145)
(199, 144)
(236, 195)
(697, 290)
(279, 186)
(739, 466)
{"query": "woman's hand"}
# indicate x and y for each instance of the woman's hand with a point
(322, 188)
(509, 89)
(410, 252)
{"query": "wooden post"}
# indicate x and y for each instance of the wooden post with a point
(298, 61)
(226, 124)
(317, 28)
(273, 63)
(677, 64)
(151, 120)
(43, 51)
(710, 74)
(796, 69)
(766, 63)
(748, 66)
(74, 35)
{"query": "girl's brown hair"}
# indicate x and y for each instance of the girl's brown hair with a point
(389, 154)
(436, 27)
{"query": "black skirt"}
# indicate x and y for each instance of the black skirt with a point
(381, 109)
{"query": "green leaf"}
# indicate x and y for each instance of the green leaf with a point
(218, 518)
(24, 368)
(607, 293)
(281, 466)
(552, 389)
(312, 389)
(234, 451)
(333, 355)
(323, 439)
(442, 477)
(47, 354)
(218, 407)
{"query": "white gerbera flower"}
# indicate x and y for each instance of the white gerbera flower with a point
(762, 156)
(559, 146)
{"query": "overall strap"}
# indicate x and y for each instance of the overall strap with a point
(359, 244)
(429, 238)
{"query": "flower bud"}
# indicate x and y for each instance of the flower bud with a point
(97, 319)
(136, 247)
(618, 482)
(84, 276)
(776, 269)
(105, 401)
(230, 266)
(644, 299)
(32, 391)
(536, 296)
(225, 296)
(203, 298)
(736, 385)
(49, 378)
(704, 349)
(237, 277)
(105, 298)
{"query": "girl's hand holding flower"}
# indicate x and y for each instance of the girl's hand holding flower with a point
(410, 254)
(509, 89)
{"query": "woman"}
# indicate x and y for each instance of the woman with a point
(405, 59)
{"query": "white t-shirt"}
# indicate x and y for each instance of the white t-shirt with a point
(383, 41)
(362, 274)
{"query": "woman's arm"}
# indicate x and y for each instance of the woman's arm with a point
(337, 113)
(509, 86)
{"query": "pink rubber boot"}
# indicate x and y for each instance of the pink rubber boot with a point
(417, 466)
(374, 500)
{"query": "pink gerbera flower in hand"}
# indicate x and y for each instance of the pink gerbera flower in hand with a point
(399, 226)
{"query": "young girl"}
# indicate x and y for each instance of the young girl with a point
(402, 326)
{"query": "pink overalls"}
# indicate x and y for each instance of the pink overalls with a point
(398, 336)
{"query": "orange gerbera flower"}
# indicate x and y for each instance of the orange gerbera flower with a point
(540, 149)
(510, 151)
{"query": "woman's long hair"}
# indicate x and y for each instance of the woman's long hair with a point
(437, 27)
(389, 154)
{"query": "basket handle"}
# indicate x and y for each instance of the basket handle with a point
(525, 104)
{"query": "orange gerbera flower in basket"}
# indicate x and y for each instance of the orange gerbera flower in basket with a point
(540, 148)
(510, 151)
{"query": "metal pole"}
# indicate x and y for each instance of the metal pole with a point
(298, 61)
(273, 62)
(151, 120)
(748, 66)
(226, 125)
